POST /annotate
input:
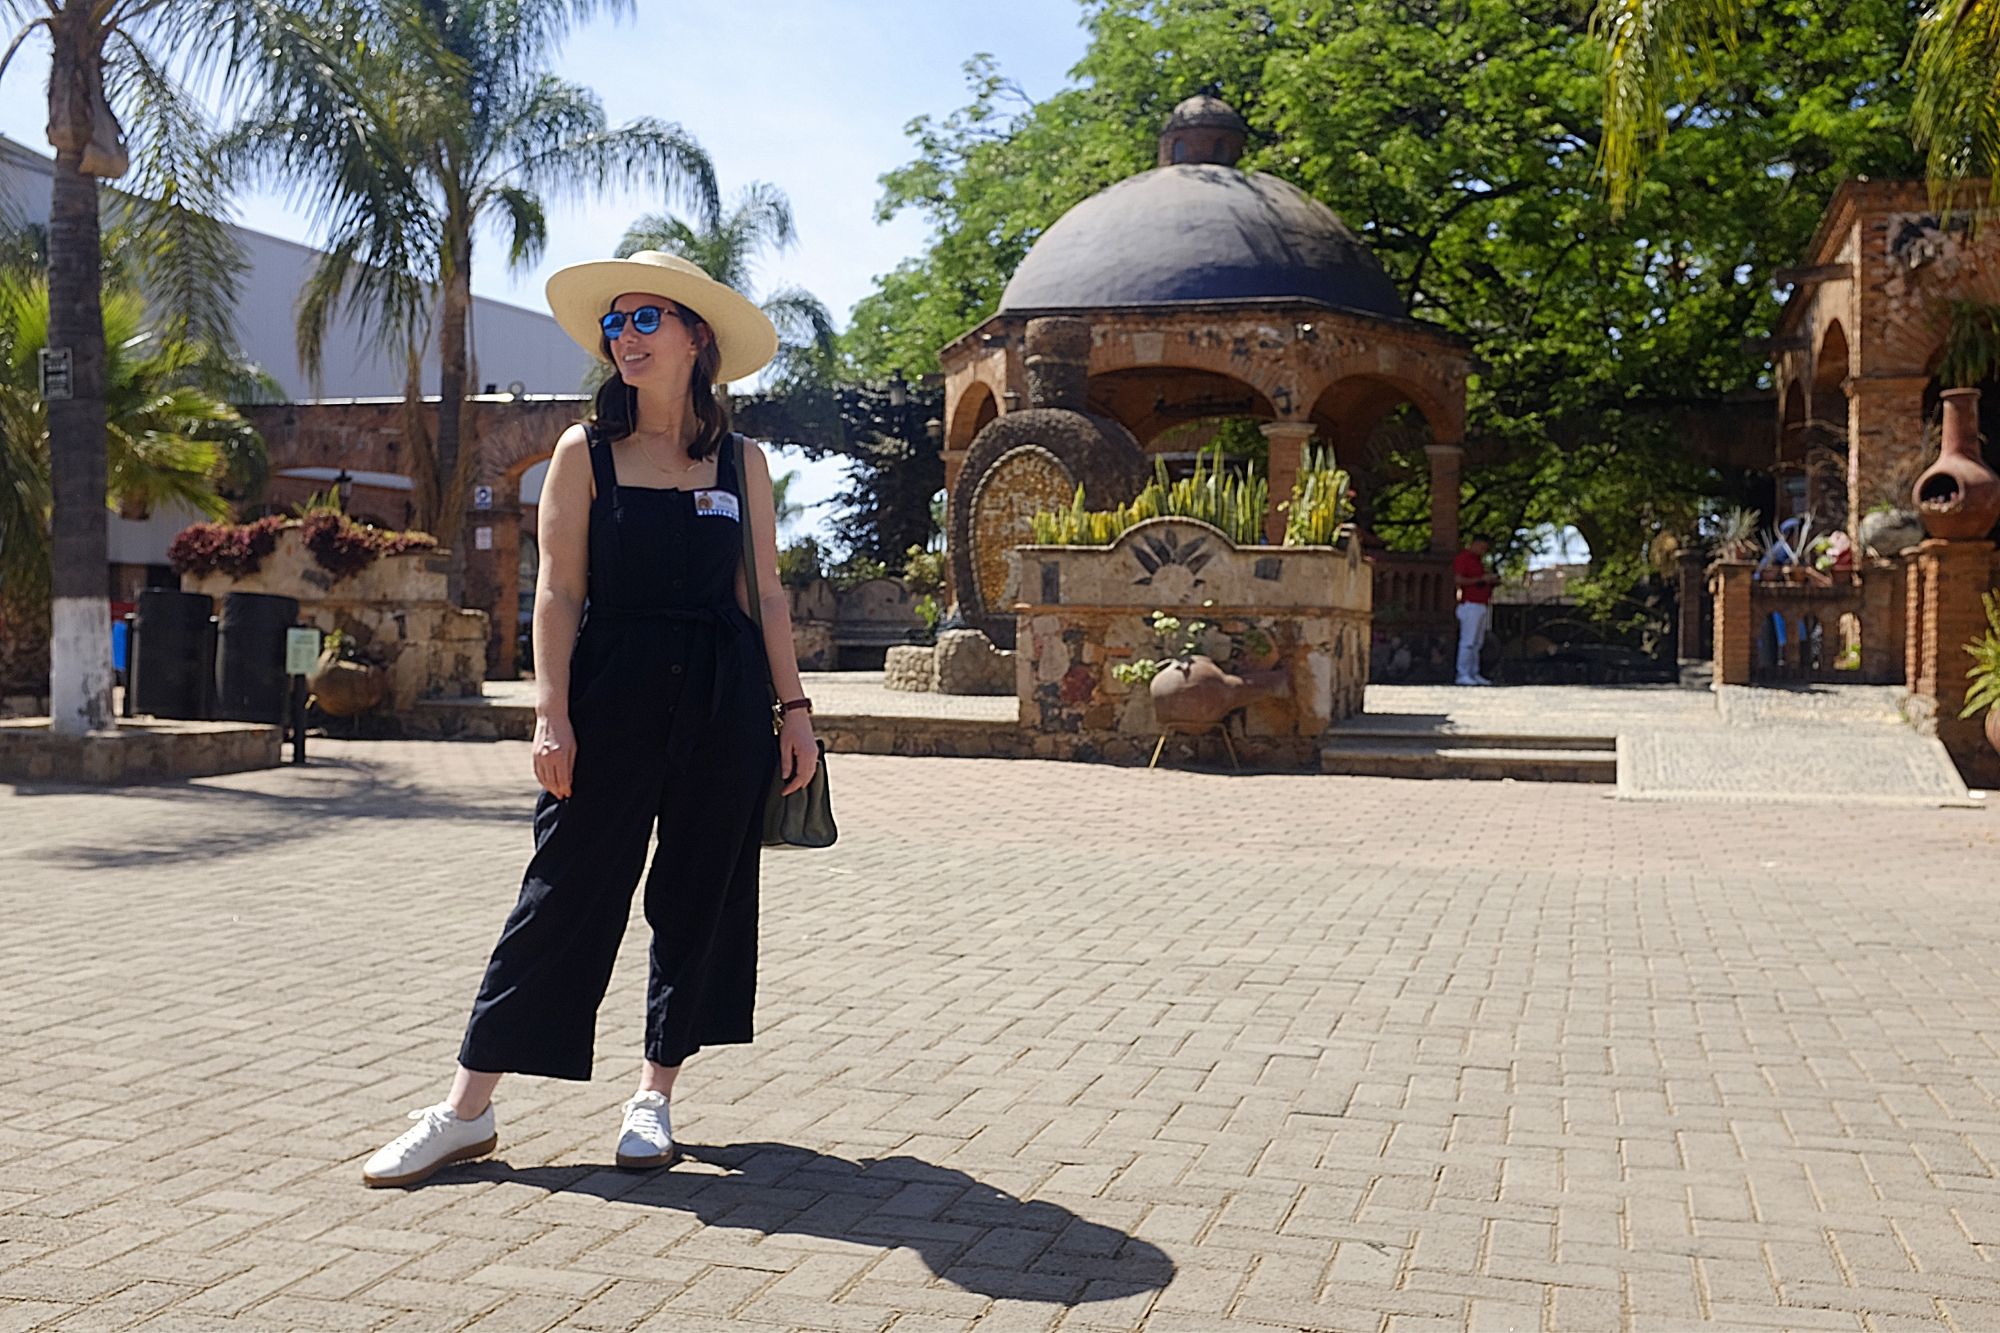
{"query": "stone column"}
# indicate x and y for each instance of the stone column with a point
(1445, 463)
(1735, 627)
(1953, 575)
(1885, 441)
(1288, 451)
(1692, 595)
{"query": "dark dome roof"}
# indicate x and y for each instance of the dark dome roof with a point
(1200, 233)
(1204, 110)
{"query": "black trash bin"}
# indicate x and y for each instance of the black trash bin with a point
(172, 653)
(250, 683)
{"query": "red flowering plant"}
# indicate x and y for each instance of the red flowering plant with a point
(338, 545)
(235, 549)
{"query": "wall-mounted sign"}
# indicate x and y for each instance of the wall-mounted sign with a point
(482, 539)
(482, 497)
(57, 381)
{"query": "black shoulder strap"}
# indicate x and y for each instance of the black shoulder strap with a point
(600, 462)
(729, 465)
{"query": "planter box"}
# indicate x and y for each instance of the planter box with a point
(395, 610)
(1085, 609)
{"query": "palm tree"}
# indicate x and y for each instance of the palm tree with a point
(109, 59)
(168, 439)
(1659, 52)
(726, 248)
(449, 121)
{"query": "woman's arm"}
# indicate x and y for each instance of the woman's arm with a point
(563, 542)
(797, 753)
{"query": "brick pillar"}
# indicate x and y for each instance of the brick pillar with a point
(1288, 450)
(1952, 575)
(1692, 596)
(1913, 626)
(1735, 627)
(1445, 462)
(1885, 441)
(1883, 629)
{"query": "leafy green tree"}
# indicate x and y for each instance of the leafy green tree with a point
(431, 120)
(1666, 61)
(727, 247)
(1460, 138)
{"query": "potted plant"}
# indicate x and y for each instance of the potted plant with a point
(1984, 673)
(342, 684)
(1189, 687)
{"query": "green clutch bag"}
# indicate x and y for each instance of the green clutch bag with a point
(804, 818)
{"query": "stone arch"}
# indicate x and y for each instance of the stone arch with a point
(1154, 399)
(1347, 410)
(976, 406)
(1093, 451)
(1830, 364)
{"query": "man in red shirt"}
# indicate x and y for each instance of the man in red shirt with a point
(1475, 610)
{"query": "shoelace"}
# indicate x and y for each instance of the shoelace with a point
(434, 1118)
(646, 1115)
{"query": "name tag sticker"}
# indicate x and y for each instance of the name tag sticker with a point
(717, 504)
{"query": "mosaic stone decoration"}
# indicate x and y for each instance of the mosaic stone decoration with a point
(1021, 483)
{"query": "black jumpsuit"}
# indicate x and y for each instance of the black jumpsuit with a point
(671, 705)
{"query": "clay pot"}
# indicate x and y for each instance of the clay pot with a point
(1993, 728)
(346, 689)
(1199, 693)
(1958, 497)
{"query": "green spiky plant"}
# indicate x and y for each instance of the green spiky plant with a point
(1232, 501)
(1984, 673)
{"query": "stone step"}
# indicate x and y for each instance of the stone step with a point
(1362, 728)
(1524, 758)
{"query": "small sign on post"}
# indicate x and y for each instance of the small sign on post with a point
(302, 644)
(57, 381)
(301, 650)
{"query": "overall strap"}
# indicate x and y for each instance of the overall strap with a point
(601, 468)
(726, 461)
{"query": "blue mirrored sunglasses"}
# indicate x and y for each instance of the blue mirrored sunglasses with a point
(646, 319)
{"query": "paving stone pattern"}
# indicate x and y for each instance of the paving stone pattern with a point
(1043, 1046)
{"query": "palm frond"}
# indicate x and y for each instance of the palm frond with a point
(648, 153)
(1655, 53)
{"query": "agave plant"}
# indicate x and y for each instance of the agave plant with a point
(1234, 502)
(1984, 673)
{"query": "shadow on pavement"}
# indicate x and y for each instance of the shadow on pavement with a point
(974, 1236)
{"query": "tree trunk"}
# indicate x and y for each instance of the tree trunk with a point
(453, 470)
(80, 638)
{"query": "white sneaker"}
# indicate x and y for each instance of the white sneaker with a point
(1466, 680)
(439, 1139)
(1481, 680)
(646, 1138)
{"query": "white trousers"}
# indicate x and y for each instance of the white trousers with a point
(1472, 621)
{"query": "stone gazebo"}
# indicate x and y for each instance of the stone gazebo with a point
(1183, 297)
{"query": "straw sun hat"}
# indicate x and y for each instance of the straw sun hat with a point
(582, 294)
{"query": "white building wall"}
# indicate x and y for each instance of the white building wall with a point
(510, 344)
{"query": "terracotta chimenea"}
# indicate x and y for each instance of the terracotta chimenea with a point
(1958, 497)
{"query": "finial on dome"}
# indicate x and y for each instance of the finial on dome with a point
(1203, 129)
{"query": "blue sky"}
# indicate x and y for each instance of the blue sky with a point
(809, 95)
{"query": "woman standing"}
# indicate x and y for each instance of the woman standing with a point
(653, 710)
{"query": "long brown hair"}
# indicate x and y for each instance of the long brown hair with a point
(616, 409)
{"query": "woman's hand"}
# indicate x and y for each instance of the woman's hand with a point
(555, 755)
(798, 752)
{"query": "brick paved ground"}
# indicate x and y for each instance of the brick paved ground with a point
(1043, 1047)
